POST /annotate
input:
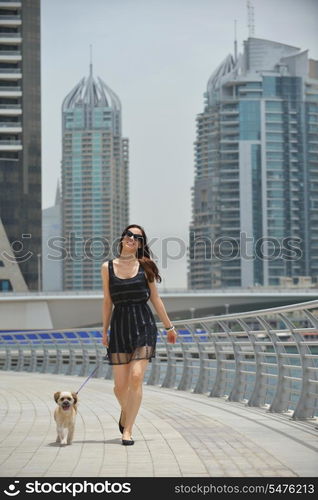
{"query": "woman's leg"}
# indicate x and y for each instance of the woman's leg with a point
(121, 380)
(133, 401)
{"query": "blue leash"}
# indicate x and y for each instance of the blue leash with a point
(89, 376)
(85, 381)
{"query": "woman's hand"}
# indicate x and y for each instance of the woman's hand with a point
(172, 336)
(105, 339)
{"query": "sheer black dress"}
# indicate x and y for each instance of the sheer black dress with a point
(133, 330)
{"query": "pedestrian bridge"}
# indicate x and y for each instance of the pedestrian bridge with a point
(83, 309)
(236, 396)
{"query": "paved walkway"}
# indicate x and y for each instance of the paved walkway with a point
(177, 434)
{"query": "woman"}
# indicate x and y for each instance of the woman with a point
(128, 283)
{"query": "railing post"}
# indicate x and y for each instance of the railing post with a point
(202, 385)
(45, 364)
(154, 376)
(71, 370)
(258, 394)
(237, 391)
(58, 360)
(27, 356)
(187, 368)
(306, 402)
(109, 372)
(40, 357)
(281, 397)
(155, 365)
(8, 360)
(100, 355)
(171, 372)
(33, 359)
(219, 385)
(20, 361)
(85, 362)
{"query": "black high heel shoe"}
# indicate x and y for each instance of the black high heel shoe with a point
(127, 442)
(121, 427)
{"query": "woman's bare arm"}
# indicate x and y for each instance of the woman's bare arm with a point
(161, 311)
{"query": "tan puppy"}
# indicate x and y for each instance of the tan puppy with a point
(65, 415)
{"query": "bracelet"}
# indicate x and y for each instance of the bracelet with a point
(170, 328)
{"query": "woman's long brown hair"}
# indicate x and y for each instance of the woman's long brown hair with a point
(144, 255)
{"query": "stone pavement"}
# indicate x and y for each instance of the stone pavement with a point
(176, 434)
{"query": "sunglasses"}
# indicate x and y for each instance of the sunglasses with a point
(135, 236)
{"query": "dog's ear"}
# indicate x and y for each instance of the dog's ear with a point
(74, 396)
(56, 396)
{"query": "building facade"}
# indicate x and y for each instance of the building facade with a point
(94, 181)
(52, 261)
(20, 137)
(255, 194)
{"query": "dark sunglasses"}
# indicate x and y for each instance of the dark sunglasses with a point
(135, 236)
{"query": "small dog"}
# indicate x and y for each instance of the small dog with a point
(65, 416)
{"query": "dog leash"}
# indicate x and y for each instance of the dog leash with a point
(89, 376)
(85, 381)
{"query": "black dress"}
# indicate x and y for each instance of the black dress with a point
(133, 330)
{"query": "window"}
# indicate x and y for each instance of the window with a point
(274, 156)
(274, 106)
(275, 137)
(274, 117)
(269, 86)
(5, 286)
(276, 146)
(249, 120)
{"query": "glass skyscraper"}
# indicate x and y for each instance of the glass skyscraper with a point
(94, 181)
(255, 194)
(20, 142)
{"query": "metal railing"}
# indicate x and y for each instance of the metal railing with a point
(11, 106)
(11, 125)
(3, 34)
(10, 52)
(13, 88)
(266, 358)
(10, 70)
(10, 143)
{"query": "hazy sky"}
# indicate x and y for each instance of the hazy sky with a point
(157, 55)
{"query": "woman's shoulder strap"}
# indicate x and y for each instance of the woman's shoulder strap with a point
(110, 266)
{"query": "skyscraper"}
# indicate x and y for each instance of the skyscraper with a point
(52, 264)
(94, 180)
(20, 137)
(255, 194)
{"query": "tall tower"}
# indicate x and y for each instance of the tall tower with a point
(20, 139)
(255, 194)
(52, 265)
(94, 180)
